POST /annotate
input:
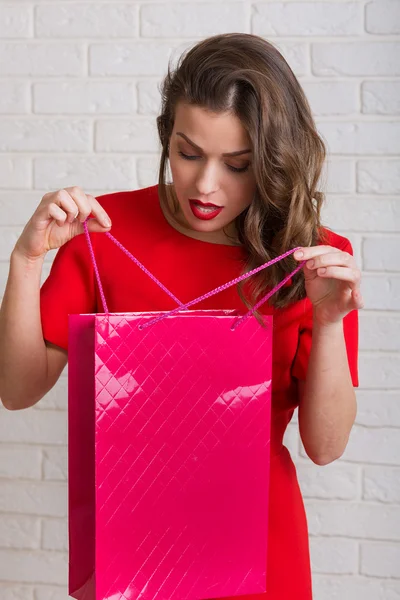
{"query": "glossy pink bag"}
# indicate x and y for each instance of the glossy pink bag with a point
(169, 430)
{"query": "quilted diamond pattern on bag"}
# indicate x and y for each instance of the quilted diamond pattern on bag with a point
(181, 420)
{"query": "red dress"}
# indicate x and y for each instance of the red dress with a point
(190, 268)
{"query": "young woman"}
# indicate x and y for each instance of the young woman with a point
(245, 158)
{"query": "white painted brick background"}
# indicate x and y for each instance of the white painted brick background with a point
(78, 102)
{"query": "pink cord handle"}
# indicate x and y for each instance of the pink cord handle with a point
(135, 260)
(200, 298)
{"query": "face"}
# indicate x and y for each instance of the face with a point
(210, 159)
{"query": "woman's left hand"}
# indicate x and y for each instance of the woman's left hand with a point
(332, 281)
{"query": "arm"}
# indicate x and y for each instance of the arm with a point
(327, 408)
(327, 402)
(28, 367)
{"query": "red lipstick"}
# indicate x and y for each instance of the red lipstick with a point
(204, 210)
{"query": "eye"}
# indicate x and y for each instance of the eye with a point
(187, 157)
(234, 169)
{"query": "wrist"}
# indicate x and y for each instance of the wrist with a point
(18, 257)
(324, 327)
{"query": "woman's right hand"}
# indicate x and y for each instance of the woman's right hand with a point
(58, 218)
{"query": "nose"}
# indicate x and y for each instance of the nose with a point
(207, 180)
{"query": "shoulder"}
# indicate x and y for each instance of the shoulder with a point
(330, 238)
(131, 205)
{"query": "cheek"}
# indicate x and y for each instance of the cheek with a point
(181, 172)
(242, 193)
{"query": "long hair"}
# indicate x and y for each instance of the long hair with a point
(247, 76)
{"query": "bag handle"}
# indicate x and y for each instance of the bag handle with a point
(200, 298)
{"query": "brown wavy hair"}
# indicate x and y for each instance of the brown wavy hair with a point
(247, 76)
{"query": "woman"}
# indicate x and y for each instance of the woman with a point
(245, 160)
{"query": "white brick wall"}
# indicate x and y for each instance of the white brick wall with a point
(78, 101)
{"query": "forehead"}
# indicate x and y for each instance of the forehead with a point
(223, 132)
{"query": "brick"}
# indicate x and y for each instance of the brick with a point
(332, 482)
(332, 98)
(353, 520)
(381, 484)
(378, 408)
(147, 171)
(86, 20)
(381, 253)
(361, 137)
(55, 534)
(134, 135)
(33, 426)
(16, 592)
(15, 21)
(38, 59)
(55, 467)
(57, 397)
(33, 566)
(379, 371)
(34, 498)
(307, 18)
(78, 97)
(362, 214)
(17, 208)
(333, 555)
(355, 58)
(191, 20)
(338, 177)
(129, 59)
(380, 97)
(45, 135)
(19, 531)
(374, 446)
(296, 55)
(380, 560)
(18, 463)
(379, 332)
(8, 239)
(149, 99)
(89, 172)
(378, 176)
(14, 97)
(15, 172)
(382, 17)
(50, 593)
(353, 587)
(381, 292)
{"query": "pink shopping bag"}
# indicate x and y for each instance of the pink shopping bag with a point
(169, 430)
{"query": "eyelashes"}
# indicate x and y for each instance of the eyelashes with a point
(234, 169)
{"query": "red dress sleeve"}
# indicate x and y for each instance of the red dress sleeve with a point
(350, 327)
(69, 289)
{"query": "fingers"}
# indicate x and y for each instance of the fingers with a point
(313, 251)
(352, 276)
(72, 204)
(328, 259)
(58, 214)
(99, 212)
(87, 204)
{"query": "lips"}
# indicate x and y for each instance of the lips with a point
(204, 211)
(205, 204)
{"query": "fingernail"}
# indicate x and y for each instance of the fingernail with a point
(107, 222)
(299, 254)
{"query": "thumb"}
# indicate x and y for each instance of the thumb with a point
(93, 226)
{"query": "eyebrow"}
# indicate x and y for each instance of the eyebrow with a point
(237, 153)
